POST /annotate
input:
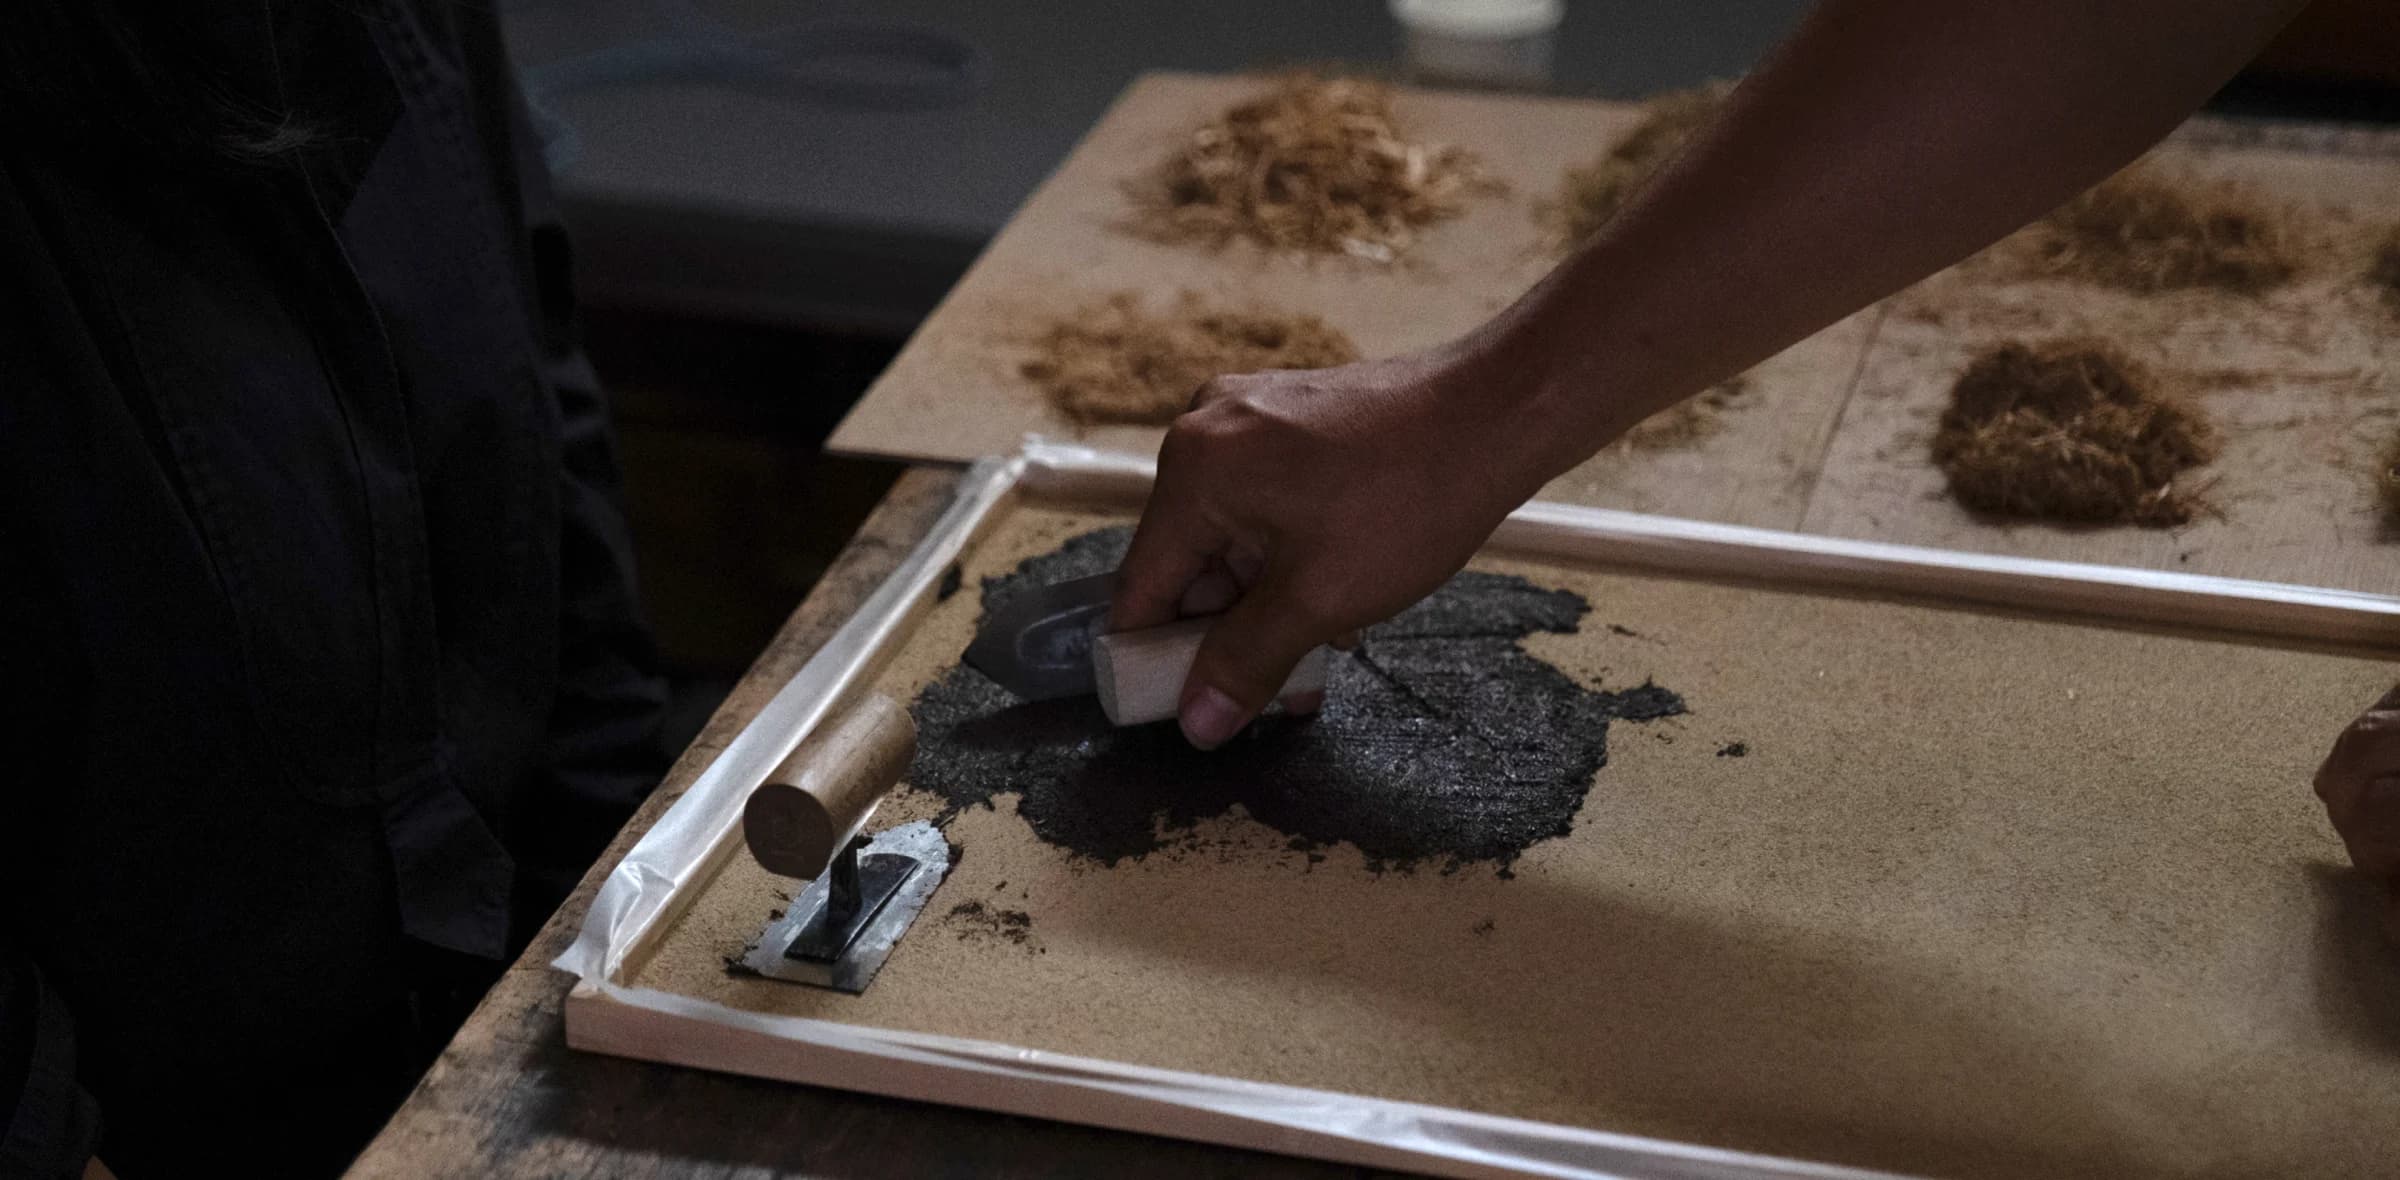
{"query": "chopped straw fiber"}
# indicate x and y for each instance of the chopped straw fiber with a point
(1690, 420)
(2070, 431)
(2383, 274)
(1113, 362)
(2144, 231)
(1315, 165)
(1595, 192)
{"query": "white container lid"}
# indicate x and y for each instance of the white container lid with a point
(1480, 19)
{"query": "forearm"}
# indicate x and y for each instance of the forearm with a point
(1885, 140)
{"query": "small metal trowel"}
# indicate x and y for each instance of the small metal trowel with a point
(1040, 646)
(1054, 642)
(863, 893)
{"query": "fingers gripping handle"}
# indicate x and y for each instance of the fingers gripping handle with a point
(815, 799)
(1140, 674)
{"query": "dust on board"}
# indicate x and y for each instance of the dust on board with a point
(1974, 898)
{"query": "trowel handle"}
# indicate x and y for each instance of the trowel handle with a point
(813, 801)
(1140, 674)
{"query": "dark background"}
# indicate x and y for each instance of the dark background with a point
(751, 256)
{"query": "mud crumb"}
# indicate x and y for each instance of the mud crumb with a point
(952, 578)
(1314, 165)
(1734, 750)
(2071, 431)
(1621, 629)
(2146, 230)
(1486, 926)
(976, 920)
(1595, 192)
(1115, 362)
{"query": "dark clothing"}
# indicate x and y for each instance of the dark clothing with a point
(316, 603)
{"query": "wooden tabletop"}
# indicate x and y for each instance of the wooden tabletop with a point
(508, 1098)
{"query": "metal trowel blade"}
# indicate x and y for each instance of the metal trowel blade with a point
(855, 967)
(1039, 646)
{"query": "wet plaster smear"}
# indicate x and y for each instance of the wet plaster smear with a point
(1441, 739)
(1983, 896)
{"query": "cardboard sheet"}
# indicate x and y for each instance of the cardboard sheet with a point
(1982, 896)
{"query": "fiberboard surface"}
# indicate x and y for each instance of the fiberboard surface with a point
(955, 393)
(1831, 436)
(1986, 896)
(2304, 382)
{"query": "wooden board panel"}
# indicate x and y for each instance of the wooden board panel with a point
(2305, 383)
(1985, 896)
(955, 392)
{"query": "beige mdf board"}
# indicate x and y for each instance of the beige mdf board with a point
(2304, 382)
(955, 391)
(1989, 895)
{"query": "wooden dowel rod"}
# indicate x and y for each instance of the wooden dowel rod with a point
(815, 799)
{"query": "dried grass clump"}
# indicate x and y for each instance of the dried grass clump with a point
(2384, 272)
(2145, 232)
(1314, 165)
(2071, 431)
(1690, 420)
(1595, 192)
(1113, 362)
(2389, 480)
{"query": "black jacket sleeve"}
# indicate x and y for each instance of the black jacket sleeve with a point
(48, 1124)
(603, 752)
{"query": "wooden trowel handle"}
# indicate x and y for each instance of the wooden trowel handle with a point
(1140, 674)
(815, 799)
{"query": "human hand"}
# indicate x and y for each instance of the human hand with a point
(1306, 505)
(2360, 784)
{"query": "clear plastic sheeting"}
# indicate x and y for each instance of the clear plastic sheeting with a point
(648, 889)
(687, 844)
(1287, 1119)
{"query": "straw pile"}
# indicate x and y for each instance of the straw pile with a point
(1113, 362)
(1595, 192)
(2145, 232)
(2072, 431)
(2383, 273)
(1690, 420)
(1315, 165)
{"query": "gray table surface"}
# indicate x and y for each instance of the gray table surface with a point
(702, 196)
